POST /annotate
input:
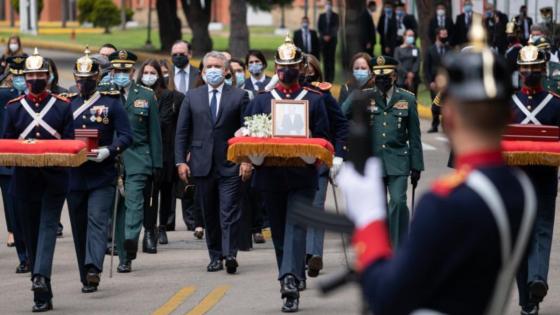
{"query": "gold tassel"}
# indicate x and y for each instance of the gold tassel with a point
(43, 160)
(239, 151)
(532, 158)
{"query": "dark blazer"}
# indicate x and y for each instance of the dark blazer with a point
(208, 147)
(169, 104)
(367, 32)
(194, 73)
(315, 44)
(431, 63)
(461, 29)
(389, 37)
(521, 24)
(449, 26)
(497, 31)
(249, 84)
(330, 29)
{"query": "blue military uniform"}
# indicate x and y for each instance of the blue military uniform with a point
(39, 192)
(92, 185)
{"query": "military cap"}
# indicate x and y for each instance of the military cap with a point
(531, 55)
(16, 64)
(540, 42)
(288, 53)
(36, 63)
(546, 11)
(85, 66)
(122, 59)
(476, 74)
(383, 65)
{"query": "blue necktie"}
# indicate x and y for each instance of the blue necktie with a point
(214, 105)
(182, 81)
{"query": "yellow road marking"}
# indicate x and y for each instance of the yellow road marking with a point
(210, 300)
(175, 301)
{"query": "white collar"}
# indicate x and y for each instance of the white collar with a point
(254, 80)
(219, 88)
(187, 69)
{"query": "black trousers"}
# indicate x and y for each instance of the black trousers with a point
(329, 57)
(167, 204)
(151, 202)
(252, 215)
(436, 111)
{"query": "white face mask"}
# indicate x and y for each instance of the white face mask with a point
(13, 47)
(440, 12)
(149, 79)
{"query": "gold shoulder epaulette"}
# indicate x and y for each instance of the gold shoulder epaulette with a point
(62, 98)
(68, 95)
(437, 100)
(407, 91)
(16, 99)
(323, 86)
(110, 92)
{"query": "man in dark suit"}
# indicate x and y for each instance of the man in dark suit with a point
(495, 23)
(306, 39)
(432, 61)
(463, 24)
(525, 23)
(292, 123)
(387, 29)
(209, 116)
(404, 22)
(441, 20)
(328, 29)
(367, 28)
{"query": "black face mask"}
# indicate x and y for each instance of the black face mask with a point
(383, 83)
(443, 40)
(312, 78)
(532, 79)
(166, 80)
(87, 87)
(512, 39)
(36, 86)
(288, 76)
(180, 61)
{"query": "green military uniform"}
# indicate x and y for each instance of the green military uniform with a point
(140, 160)
(395, 131)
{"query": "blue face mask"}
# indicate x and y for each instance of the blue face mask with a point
(240, 79)
(410, 40)
(361, 76)
(400, 14)
(468, 8)
(488, 14)
(228, 81)
(255, 68)
(121, 79)
(106, 79)
(214, 76)
(18, 83)
(388, 12)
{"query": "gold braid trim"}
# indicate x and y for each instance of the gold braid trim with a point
(278, 154)
(532, 158)
(44, 159)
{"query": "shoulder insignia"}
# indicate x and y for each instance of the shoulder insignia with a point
(312, 90)
(554, 94)
(323, 86)
(68, 95)
(145, 87)
(16, 99)
(437, 99)
(110, 93)
(446, 184)
(406, 91)
(62, 98)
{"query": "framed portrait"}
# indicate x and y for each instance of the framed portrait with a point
(290, 118)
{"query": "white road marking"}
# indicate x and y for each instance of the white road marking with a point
(442, 139)
(427, 147)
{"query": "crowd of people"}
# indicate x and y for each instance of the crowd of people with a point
(163, 129)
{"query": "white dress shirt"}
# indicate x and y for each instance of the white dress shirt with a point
(177, 77)
(218, 96)
(255, 81)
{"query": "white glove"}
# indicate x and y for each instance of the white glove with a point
(365, 196)
(308, 159)
(336, 165)
(257, 159)
(102, 154)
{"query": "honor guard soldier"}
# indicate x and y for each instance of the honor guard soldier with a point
(534, 105)
(395, 131)
(142, 159)
(279, 186)
(12, 87)
(39, 192)
(471, 230)
(92, 185)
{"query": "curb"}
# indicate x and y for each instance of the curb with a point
(424, 112)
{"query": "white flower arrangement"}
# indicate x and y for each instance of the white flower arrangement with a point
(259, 126)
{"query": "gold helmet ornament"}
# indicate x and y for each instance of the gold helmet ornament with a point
(288, 53)
(36, 63)
(531, 55)
(85, 66)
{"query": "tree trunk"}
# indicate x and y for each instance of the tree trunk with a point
(168, 23)
(64, 15)
(425, 13)
(123, 15)
(351, 31)
(198, 18)
(239, 32)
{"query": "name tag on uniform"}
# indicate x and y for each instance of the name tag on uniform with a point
(401, 105)
(141, 104)
(415, 52)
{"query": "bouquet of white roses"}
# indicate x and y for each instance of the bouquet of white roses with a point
(259, 126)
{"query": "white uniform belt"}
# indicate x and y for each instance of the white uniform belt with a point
(86, 104)
(531, 116)
(38, 119)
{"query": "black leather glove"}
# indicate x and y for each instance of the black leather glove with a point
(414, 178)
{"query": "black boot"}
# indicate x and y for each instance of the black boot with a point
(290, 292)
(149, 244)
(162, 237)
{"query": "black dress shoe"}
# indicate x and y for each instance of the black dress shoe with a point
(39, 285)
(199, 233)
(92, 277)
(131, 247)
(258, 238)
(291, 305)
(231, 265)
(215, 265)
(89, 288)
(530, 309)
(289, 287)
(59, 230)
(537, 291)
(149, 244)
(170, 228)
(108, 250)
(42, 307)
(23, 268)
(433, 130)
(162, 236)
(301, 285)
(314, 264)
(125, 267)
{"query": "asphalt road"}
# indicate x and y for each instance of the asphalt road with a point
(175, 280)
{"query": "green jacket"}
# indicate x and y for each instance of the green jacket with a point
(395, 130)
(145, 153)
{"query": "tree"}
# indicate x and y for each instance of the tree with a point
(105, 14)
(239, 32)
(351, 30)
(169, 25)
(198, 16)
(85, 9)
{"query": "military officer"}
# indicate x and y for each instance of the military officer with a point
(142, 159)
(279, 186)
(92, 185)
(13, 86)
(470, 231)
(395, 130)
(534, 105)
(39, 115)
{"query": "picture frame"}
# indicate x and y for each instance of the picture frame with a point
(290, 118)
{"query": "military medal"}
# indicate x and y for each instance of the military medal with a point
(92, 113)
(105, 115)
